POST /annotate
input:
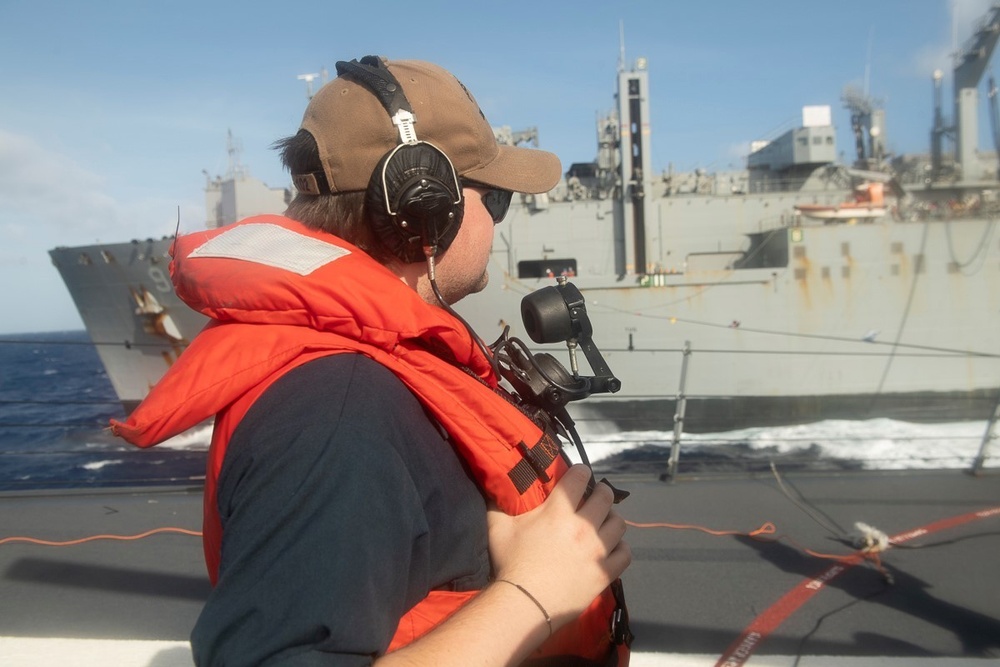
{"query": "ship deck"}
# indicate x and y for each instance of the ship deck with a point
(796, 596)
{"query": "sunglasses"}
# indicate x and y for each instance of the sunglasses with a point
(495, 200)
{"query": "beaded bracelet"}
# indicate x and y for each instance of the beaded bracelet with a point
(531, 597)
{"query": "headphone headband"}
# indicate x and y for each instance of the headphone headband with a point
(372, 73)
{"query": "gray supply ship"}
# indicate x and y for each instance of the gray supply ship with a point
(794, 290)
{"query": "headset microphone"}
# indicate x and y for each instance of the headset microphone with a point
(552, 315)
(557, 314)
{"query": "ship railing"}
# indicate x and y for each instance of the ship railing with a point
(675, 443)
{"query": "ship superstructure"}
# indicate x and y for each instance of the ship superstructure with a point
(793, 290)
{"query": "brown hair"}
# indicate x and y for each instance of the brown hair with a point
(342, 214)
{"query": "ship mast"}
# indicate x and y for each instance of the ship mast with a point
(635, 155)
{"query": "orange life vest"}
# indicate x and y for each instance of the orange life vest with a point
(281, 295)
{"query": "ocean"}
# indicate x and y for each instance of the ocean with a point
(55, 403)
(56, 400)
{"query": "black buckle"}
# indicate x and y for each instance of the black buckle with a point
(620, 631)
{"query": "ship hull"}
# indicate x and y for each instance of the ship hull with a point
(124, 296)
(708, 292)
(869, 320)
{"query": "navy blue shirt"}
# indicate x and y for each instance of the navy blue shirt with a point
(342, 506)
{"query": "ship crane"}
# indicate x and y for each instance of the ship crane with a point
(995, 119)
(970, 64)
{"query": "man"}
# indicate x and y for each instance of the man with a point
(372, 496)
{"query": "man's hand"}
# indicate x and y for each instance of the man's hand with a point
(565, 551)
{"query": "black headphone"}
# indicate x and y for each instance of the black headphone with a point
(414, 198)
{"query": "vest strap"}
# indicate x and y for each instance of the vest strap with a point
(534, 463)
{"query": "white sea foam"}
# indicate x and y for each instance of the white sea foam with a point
(97, 465)
(875, 443)
(193, 439)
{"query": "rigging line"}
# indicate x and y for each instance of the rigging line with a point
(760, 535)
(806, 507)
(766, 528)
(109, 401)
(68, 543)
(903, 320)
(691, 439)
(789, 334)
(950, 354)
(28, 341)
(896, 345)
(97, 423)
(819, 621)
(843, 339)
(981, 251)
(125, 343)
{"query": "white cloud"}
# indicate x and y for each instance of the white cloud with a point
(965, 16)
(13, 231)
(47, 197)
(41, 188)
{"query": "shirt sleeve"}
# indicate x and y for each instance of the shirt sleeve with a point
(324, 498)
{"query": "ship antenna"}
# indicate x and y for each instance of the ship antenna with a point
(308, 78)
(621, 46)
(234, 149)
(868, 62)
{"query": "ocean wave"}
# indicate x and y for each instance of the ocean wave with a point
(871, 444)
(98, 465)
(195, 439)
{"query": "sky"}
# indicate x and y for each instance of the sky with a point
(112, 112)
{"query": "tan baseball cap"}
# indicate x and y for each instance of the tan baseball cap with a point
(354, 131)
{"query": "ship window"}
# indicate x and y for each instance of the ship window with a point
(896, 248)
(817, 140)
(799, 251)
(845, 249)
(894, 270)
(800, 274)
(546, 268)
(825, 272)
(845, 272)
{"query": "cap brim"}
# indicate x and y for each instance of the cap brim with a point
(527, 170)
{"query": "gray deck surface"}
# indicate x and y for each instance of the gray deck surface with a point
(688, 592)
